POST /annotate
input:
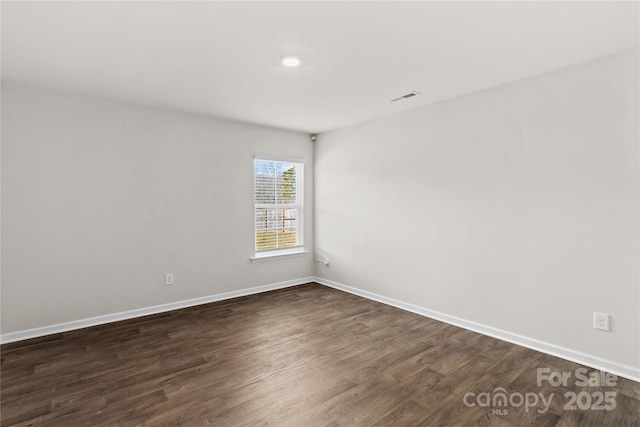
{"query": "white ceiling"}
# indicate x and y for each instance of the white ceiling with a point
(221, 58)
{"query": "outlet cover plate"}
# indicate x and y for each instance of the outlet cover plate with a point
(601, 321)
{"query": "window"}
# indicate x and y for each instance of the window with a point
(278, 201)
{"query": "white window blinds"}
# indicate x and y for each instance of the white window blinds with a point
(278, 203)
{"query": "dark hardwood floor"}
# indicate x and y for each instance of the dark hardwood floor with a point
(302, 356)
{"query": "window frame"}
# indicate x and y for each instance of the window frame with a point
(288, 251)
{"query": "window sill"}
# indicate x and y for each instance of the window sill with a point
(278, 255)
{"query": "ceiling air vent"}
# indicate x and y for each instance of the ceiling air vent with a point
(406, 96)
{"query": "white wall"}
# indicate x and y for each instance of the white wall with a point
(101, 199)
(515, 207)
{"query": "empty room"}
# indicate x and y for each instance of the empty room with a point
(328, 213)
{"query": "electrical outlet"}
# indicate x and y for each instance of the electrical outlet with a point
(601, 321)
(168, 279)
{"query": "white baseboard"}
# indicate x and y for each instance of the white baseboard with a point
(615, 368)
(625, 371)
(108, 318)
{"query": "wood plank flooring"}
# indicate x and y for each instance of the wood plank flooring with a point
(302, 356)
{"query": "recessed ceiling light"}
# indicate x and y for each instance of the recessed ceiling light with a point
(291, 61)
